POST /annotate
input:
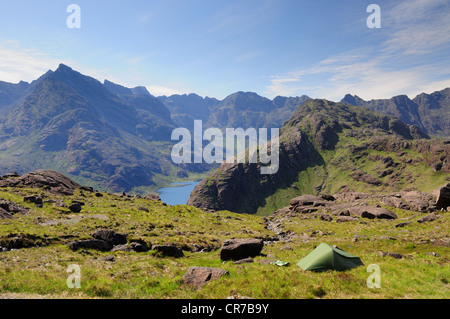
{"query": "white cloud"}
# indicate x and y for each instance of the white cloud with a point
(18, 64)
(411, 60)
(158, 90)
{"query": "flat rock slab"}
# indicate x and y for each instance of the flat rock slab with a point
(200, 276)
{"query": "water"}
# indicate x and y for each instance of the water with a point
(178, 194)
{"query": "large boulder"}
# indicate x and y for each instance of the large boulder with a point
(169, 250)
(90, 244)
(200, 276)
(237, 249)
(419, 201)
(442, 197)
(110, 236)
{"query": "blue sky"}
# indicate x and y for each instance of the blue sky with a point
(323, 49)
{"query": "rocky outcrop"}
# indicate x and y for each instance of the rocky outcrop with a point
(9, 209)
(49, 180)
(443, 197)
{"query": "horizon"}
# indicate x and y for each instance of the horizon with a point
(212, 97)
(276, 48)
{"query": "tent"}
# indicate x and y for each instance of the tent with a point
(325, 257)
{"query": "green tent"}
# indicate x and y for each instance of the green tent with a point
(325, 257)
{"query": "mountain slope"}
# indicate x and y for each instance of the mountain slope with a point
(72, 123)
(429, 112)
(327, 147)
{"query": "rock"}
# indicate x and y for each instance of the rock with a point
(169, 250)
(442, 197)
(394, 201)
(244, 261)
(387, 238)
(326, 217)
(90, 244)
(200, 276)
(308, 200)
(402, 224)
(419, 201)
(108, 258)
(344, 219)
(372, 212)
(393, 255)
(8, 209)
(49, 180)
(110, 236)
(75, 208)
(153, 197)
(428, 218)
(236, 249)
(125, 247)
(328, 197)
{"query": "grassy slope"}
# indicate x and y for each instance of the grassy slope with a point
(40, 272)
(342, 163)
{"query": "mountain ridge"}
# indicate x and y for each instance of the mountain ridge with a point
(110, 136)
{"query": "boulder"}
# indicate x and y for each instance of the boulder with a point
(8, 209)
(169, 250)
(200, 276)
(237, 249)
(110, 236)
(419, 201)
(428, 218)
(75, 208)
(372, 212)
(90, 244)
(442, 197)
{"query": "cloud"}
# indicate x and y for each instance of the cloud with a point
(411, 59)
(18, 64)
(158, 90)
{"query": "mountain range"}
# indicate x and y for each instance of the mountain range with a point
(116, 138)
(327, 148)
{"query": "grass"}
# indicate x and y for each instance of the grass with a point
(41, 272)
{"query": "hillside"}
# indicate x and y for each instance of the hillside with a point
(73, 123)
(429, 112)
(329, 147)
(133, 247)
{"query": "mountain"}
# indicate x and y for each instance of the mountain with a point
(240, 109)
(77, 125)
(429, 112)
(328, 147)
(11, 94)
